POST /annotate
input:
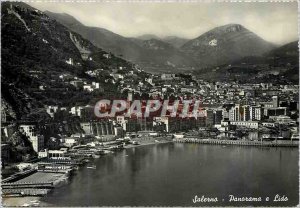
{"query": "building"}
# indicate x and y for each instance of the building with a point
(213, 117)
(275, 101)
(255, 113)
(283, 120)
(240, 113)
(98, 128)
(245, 113)
(71, 141)
(218, 116)
(86, 113)
(36, 139)
(51, 110)
(247, 124)
(275, 111)
(88, 87)
(209, 117)
(119, 132)
(87, 127)
(77, 83)
(167, 76)
(234, 113)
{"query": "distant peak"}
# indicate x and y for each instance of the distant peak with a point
(231, 27)
(148, 37)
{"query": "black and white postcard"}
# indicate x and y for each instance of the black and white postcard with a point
(149, 104)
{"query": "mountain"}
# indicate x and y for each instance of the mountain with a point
(221, 45)
(281, 56)
(286, 56)
(177, 42)
(225, 44)
(100, 37)
(36, 52)
(289, 49)
(136, 50)
(148, 37)
(280, 65)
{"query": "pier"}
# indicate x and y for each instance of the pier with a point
(239, 142)
(38, 183)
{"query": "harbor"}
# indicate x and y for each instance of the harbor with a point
(132, 175)
(27, 187)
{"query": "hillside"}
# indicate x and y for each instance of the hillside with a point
(225, 44)
(221, 45)
(37, 51)
(280, 65)
(177, 42)
(136, 50)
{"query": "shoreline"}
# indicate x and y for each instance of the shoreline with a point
(238, 142)
(144, 143)
(22, 200)
(17, 201)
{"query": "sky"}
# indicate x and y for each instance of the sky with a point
(275, 22)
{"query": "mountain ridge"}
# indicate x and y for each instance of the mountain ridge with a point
(225, 44)
(221, 45)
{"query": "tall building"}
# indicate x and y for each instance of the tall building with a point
(214, 117)
(275, 101)
(255, 113)
(234, 113)
(218, 116)
(245, 113)
(209, 117)
(36, 139)
(239, 113)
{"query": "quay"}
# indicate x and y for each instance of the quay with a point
(25, 192)
(239, 142)
(38, 183)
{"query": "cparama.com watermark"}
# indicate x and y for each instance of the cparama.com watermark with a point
(148, 108)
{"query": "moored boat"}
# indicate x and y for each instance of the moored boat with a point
(91, 167)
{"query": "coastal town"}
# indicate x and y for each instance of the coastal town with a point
(231, 113)
(124, 115)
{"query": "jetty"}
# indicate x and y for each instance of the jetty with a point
(283, 143)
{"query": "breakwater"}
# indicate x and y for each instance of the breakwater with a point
(239, 142)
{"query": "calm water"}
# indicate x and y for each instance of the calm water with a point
(172, 174)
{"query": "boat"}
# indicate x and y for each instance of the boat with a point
(25, 205)
(96, 156)
(156, 141)
(91, 167)
(35, 204)
(107, 152)
(135, 142)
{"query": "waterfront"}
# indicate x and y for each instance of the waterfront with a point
(172, 174)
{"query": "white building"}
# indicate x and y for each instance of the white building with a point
(71, 141)
(51, 110)
(255, 113)
(31, 132)
(247, 124)
(88, 87)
